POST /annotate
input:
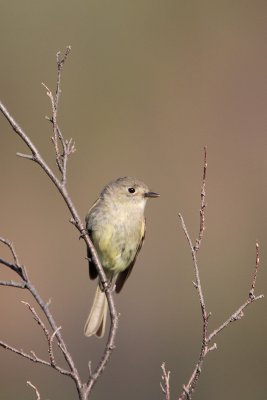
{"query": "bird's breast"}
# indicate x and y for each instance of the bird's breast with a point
(117, 238)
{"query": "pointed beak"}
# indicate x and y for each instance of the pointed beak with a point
(151, 194)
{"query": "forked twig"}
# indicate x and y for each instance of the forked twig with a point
(63, 148)
(15, 266)
(165, 384)
(26, 284)
(239, 313)
(206, 345)
(48, 336)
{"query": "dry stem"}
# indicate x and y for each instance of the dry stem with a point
(206, 345)
(63, 148)
(165, 384)
(38, 397)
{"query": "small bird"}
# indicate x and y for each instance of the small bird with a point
(116, 226)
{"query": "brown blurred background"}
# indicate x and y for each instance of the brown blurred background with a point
(147, 85)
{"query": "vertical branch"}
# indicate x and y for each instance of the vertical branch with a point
(206, 347)
(190, 387)
(202, 204)
(67, 146)
(257, 263)
(165, 384)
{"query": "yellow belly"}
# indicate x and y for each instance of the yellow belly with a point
(116, 246)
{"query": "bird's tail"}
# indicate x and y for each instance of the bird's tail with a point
(96, 322)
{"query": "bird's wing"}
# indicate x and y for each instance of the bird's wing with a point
(124, 275)
(92, 268)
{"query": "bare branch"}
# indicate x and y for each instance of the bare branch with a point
(257, 263)
(90, 369)
(13, 284)
(202, 205)
(12, 250)
(213, 347)
(165, 384)
(48, 336)
(60, 63)
(63, 148)
(16, 267)
(9, 265)
(186, 392)
(50, 346)
(239, 313)
(37, 318)
(67, 148)
(20, 352)
(26, 284)
(34, 358)
(27, 156)
(189, 388)
(52, 323)
(38, 397)
(197, 284)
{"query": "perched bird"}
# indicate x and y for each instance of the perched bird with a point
(116, 226)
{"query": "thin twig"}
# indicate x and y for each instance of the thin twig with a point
(13, 284)
(165, 384)
(27, 156)
(20, 352)
(16, 267)
(50, 346)
(189, 388)
(197, 283)
(67, 146)
(38, 397)
(47, 334)
(37, 319)
(52, 323)
(11, 248)
(239, 313)
(257, 263)
(26, 284)
(34, 358)
(202, 205)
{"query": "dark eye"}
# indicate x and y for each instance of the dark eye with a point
(131, 190)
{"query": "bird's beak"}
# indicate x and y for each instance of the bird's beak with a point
(151, 194)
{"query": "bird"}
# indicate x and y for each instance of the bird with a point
(116, 226)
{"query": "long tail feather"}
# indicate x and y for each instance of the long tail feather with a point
(96, 322)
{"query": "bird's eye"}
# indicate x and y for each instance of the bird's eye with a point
(131, 190)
